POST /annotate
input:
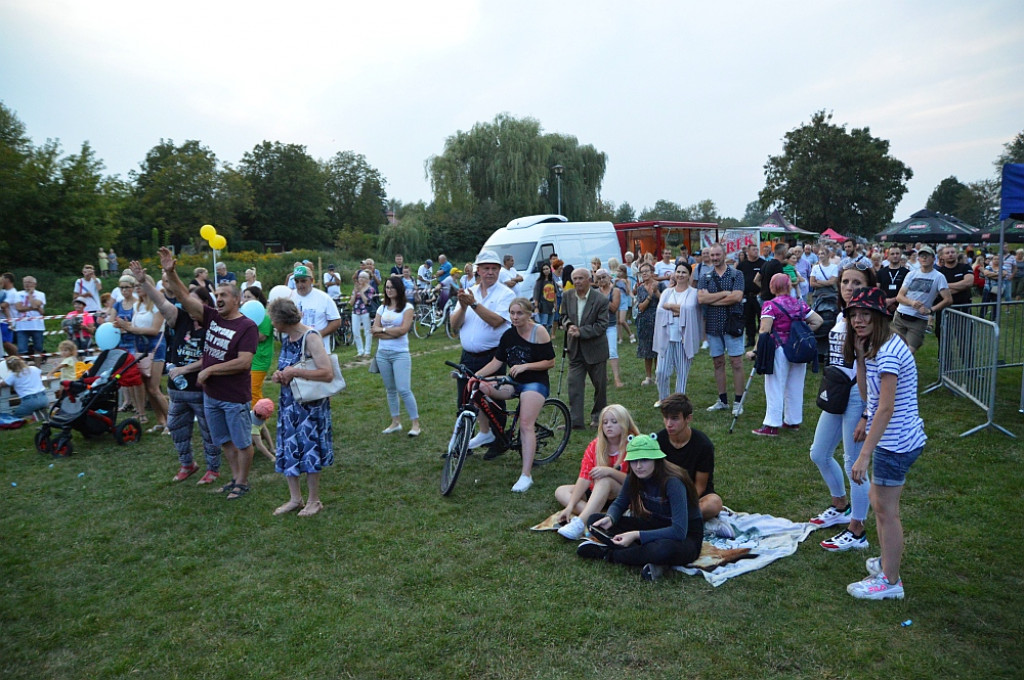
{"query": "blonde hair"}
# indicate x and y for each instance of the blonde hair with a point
(524, 303)
(251, 271)
(67, 346)
(128, 279)
(16, 364)
(613, 264)
(625, 420)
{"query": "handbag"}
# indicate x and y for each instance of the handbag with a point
(834, 392)
(734, 325)
(305, 390)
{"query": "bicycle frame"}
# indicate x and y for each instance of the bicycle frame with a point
(478, 402)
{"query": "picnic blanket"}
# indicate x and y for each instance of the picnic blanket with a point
(767, 538)
(759, 541)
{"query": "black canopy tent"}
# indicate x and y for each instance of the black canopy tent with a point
(928, 226)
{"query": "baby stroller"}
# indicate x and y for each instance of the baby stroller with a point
(89, 405)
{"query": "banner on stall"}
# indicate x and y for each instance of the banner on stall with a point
(732, 240)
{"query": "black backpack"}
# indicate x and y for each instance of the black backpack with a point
(801, 347)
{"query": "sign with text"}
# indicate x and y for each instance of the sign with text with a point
(733, 240)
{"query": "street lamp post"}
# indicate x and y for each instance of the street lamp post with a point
(559, 169)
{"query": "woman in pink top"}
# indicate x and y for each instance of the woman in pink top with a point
(783, 389)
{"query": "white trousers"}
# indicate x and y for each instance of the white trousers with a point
(784, 392)
(672, 359)
(361, 325)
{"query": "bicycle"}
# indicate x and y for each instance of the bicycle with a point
(553, 427)
(344, 332)
(427, 317)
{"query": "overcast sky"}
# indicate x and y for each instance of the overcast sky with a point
(687, 99)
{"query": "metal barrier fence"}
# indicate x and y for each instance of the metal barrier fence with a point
(1011, 328)
(969, 350)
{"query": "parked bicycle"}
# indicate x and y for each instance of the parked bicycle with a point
(553, 427)
(344, 333)
(430, 315)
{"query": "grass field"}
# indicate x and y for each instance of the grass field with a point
(109, 570)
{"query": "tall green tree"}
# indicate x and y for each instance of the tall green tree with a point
(830, 177)
(505, 169)
(665, 210)
(704, 211)
(625, 213)
(1013, 152)
(978, 204)
(179, 188)
(355, 193)
(289, 195)
(947, 196)
(754, 215)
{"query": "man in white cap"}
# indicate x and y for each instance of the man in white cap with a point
(318, 309)
(481, 318)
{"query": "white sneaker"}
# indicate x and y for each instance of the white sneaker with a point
(737, 409)
(829, 517)
(392, 429)
(718, 527)
(719, 406)
(523, 484)
(704, 345)
(574, 530)
(876, 587)
(845, 540)
(873, 565)
(481, 439)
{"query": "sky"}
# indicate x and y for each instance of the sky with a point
(687, 99)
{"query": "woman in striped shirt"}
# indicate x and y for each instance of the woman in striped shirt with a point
(894, 432)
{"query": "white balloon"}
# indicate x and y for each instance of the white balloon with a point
(279, 292)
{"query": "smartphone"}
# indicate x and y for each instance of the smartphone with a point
(601, 535)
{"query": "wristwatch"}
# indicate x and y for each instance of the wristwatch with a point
(474, 305)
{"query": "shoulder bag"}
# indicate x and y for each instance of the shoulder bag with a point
(834, 392)
(306, 390)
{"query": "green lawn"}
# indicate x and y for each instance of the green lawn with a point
(110, 570)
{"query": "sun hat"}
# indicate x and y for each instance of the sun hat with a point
(869, 298)
(301, 272)
(487, 257)
(643, 447)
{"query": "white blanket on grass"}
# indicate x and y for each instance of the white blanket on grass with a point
(769, 538)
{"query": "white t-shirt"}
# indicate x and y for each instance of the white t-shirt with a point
(662, 268)
(333, 289)
(318, 310)
(476, 334)
(923, 288)
(31, 320)
(116, 295)
(257, 284)
(390, 318)
(93, 288)
(509, 274)
(26, 383)
(836, 338)
(823, 272)
(424, 272)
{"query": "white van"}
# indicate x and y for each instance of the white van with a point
(531, 240)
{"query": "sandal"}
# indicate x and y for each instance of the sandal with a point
(290, 506)
(156, 429)
(227, 487)
(311, 509)
(237, 491)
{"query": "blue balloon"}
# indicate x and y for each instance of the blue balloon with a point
(108, 336)
(254, 310)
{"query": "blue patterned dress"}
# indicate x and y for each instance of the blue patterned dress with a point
(304, 437)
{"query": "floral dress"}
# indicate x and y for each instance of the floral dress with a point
(305, 441)
(645, 325)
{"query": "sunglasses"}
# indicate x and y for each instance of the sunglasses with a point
(859, 265)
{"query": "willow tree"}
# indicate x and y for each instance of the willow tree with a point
(507, 166)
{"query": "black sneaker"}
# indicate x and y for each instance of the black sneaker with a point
(592, 551)
(652, 572)
(493, 452)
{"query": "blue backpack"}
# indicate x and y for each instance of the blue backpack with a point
(801, 347)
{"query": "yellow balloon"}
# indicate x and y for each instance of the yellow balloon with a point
(208, 231)
(218, 242)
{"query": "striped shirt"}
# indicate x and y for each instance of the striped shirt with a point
(905, 432)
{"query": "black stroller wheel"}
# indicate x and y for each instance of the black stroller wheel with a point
(63, 447)
(43, 440)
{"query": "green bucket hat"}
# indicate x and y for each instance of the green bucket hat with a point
(643, 447)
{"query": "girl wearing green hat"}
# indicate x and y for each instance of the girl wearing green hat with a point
(664, 527)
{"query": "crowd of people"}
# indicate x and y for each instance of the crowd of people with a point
(733, 306)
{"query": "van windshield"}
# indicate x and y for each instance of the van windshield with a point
(522, 252)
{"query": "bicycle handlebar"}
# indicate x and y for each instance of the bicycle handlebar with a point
(465, 372)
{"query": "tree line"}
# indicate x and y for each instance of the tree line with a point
(52, 204)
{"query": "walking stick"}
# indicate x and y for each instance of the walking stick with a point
(561, 367)
(743, 397)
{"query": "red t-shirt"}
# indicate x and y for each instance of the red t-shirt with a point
(224, 340)
(615, 460)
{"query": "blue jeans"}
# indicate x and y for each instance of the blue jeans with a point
(30, 404)
(228, 422)
(396, 372)
(891, 467)
(833, 428)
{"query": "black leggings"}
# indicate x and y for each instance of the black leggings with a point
(662, 551)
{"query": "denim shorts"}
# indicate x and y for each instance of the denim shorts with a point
(722, 344)
(533, 387)
(228, 422)
(890, 469)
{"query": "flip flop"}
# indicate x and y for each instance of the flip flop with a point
(156, 429)
(290, 506)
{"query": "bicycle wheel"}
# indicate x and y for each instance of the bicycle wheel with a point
(553, 428)
(448, 330)
(458, 448)
(420, 321)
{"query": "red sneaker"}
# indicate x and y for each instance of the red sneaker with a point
(184, 472)
(209, 478)
(787, 426)
(766, 431)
